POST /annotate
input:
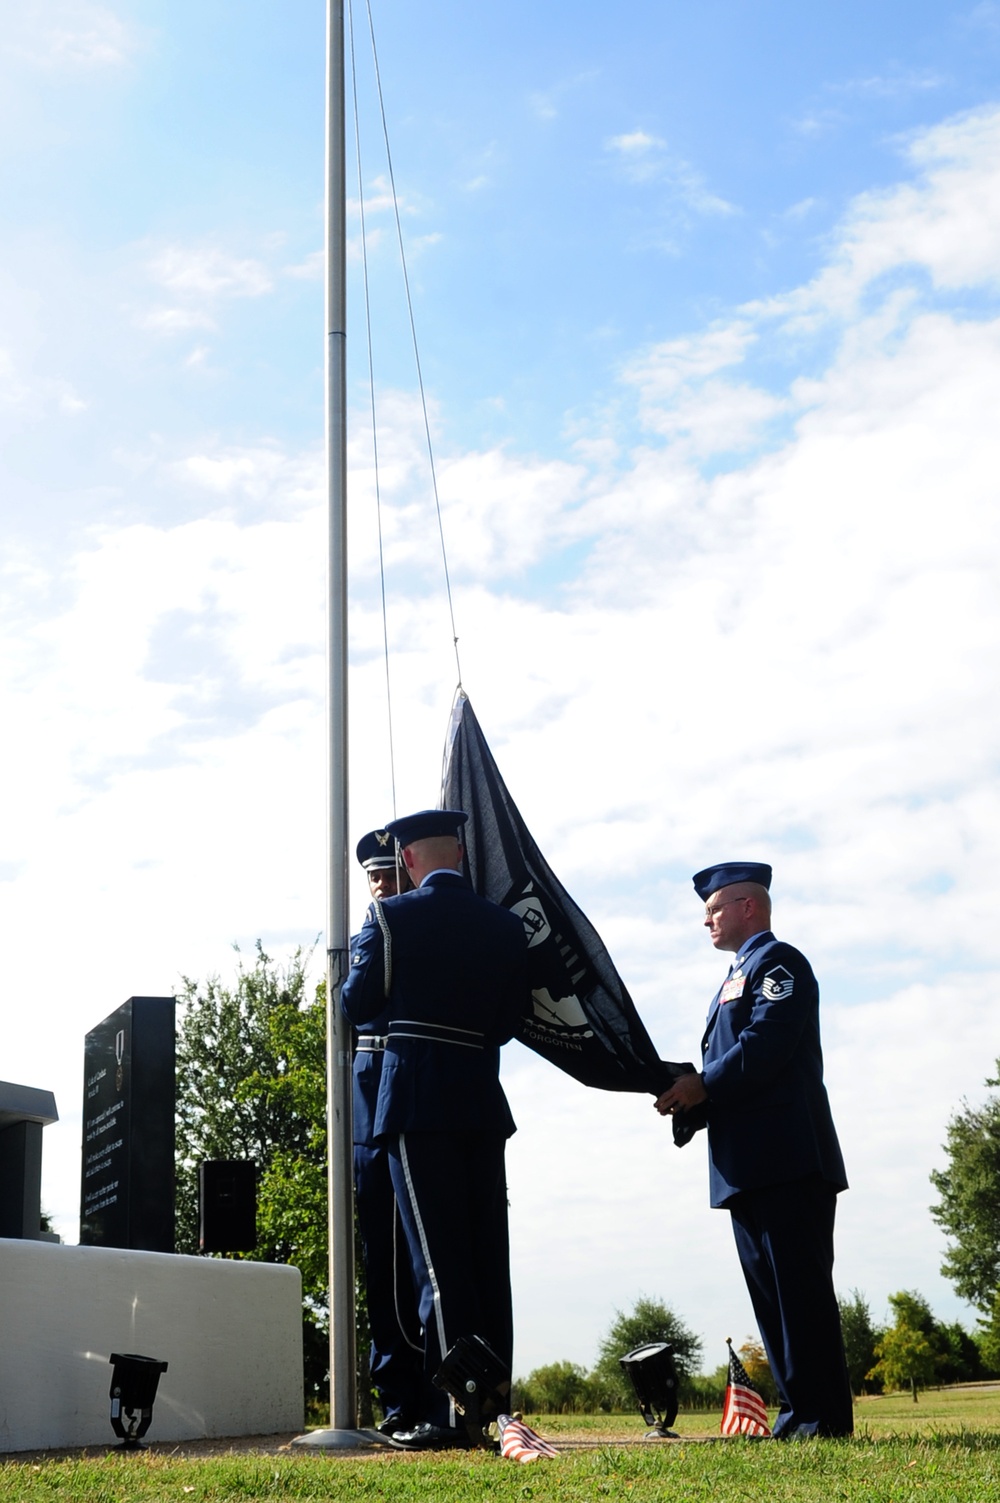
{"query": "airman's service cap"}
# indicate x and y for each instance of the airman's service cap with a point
(377, 851)
(728, 872)
(426, 824)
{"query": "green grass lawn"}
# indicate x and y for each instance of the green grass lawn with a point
(946, 1447)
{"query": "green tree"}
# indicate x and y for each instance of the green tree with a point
(911, 1351)
(860, 1338)
(988, 1338)
(557, 1388)
(251, 1073)
(961, 1358)
(969, 1204)
(226, 1050)
(758, 1369)
(650, 1320)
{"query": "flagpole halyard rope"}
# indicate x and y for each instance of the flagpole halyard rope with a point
(416, 349)
(371, 389)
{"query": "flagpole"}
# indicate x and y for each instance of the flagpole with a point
(343, 1429)
(343, 1396)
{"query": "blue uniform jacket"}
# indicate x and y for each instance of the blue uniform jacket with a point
(458, 979)
(367, 1076)
(768, 1114)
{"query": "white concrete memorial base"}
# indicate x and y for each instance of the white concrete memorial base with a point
(230, 1331)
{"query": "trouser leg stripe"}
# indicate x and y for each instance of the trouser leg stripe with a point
(426, 1252)
(397, 1263)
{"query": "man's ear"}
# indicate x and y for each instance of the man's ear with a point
(408, 858)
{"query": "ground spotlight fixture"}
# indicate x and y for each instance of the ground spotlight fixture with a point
(650, 1370)
(133, 1389)
(478, 1381)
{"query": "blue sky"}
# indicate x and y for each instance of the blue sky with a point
(707, 300)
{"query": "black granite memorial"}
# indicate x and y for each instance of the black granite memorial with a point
(127, 1193)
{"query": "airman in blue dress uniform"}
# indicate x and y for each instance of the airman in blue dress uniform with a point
(448, 970)
(396, 1343)
(774, 1159)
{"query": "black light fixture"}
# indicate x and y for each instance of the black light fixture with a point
(651, 1371)
(133, 1389)
(478, 1381)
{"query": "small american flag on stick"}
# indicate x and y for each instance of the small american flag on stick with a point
(743, 1411)
(518, 1442)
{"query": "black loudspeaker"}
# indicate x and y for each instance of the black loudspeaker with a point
(479, 1383)
(227, 1205)
(651, 1371)
(133, 1389)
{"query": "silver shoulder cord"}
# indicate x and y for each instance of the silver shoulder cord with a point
(383, 924)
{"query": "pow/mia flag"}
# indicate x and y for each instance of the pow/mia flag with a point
(583, 1018)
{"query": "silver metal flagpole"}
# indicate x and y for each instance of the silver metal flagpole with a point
(343, 1396)
(343, 1381)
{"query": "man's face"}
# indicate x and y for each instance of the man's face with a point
(382, 882)
(726, 919)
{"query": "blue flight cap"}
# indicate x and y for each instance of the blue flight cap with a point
(728, 872)
(426, 824)
(377, 851)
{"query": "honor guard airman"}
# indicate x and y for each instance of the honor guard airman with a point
(774, 1159)
(396, 1339)
(448, 972)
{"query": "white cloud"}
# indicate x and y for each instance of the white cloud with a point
(646, 159)
(946, 223)
(800, 210)
(543, 106)
(892, 84)
(635, 143)
(663, 370)
(173, 320)
(67, 35)
(379, 200)
(985, 15)
(265, 472)
(12, 388)
(199, 278)
(310, 269)
(39, 394)
(208, 272)
(546, 104)
(682, 398)
(816, 122)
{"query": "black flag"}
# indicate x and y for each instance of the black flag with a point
(583, 1019)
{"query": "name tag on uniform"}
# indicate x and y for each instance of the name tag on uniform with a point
(732, 989)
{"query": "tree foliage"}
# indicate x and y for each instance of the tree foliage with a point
(557, 1388)
(969, 1204)
(860, 1339)
(911, 1352)
(988, 1339)
(962, 1357)
(250, 1071)
(566, 1388)
(251, 1084)
(758, 1369)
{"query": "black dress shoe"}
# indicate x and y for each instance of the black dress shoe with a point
(394, 1422)
(427, 1437)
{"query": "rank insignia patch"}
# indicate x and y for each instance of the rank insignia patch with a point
(778, 984)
